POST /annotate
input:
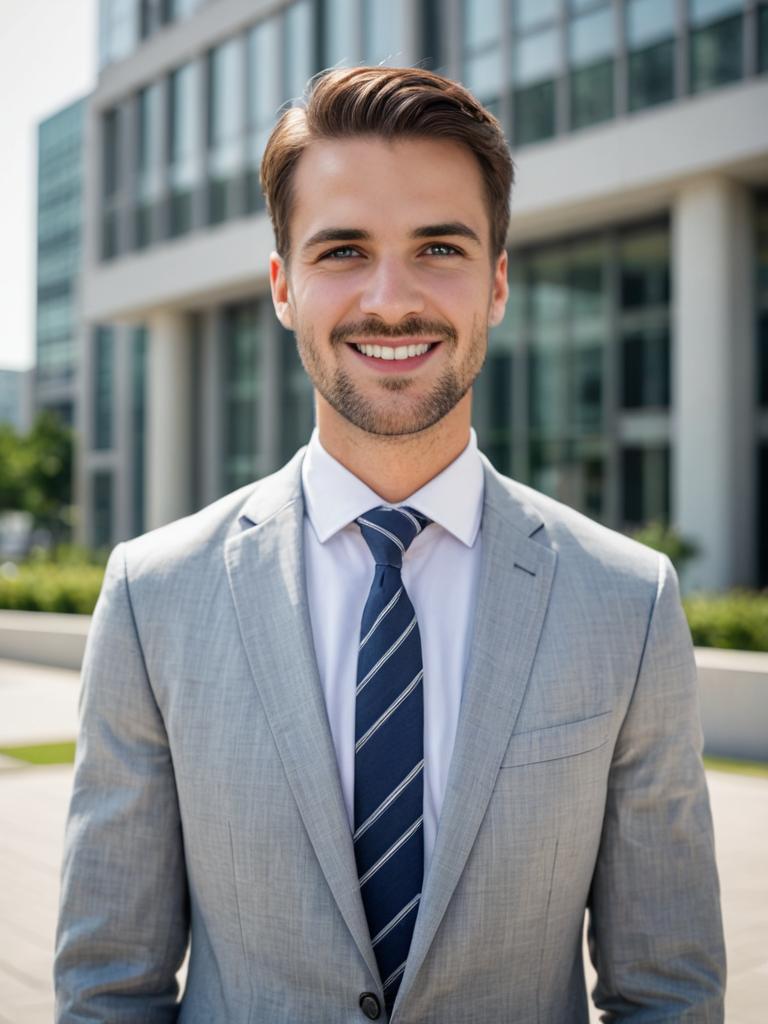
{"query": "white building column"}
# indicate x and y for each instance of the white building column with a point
(713, 429)
(168, 440)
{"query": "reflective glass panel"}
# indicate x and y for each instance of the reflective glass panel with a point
(762, 38)
(299, 41)
(103, 379)
(701, 11)
(715, 57)
(341, 46)
(536, 57)
(384, 31)
(482, 23)
(592, 36)
(102, 509)
(263, 85)
(183, 114)
(483, 77)
(645, 485)
(647, 21)
(592, 94)
(225, 101)
(242, 392)
(529, 13)
(651, 74)
(534, 113)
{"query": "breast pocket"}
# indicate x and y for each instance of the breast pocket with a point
(557, 741)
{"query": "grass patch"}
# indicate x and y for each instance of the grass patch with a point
(43, 753)
(725, 764)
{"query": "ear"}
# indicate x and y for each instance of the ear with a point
(499, 292)
(278, 281)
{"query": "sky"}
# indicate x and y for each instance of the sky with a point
(47, 59)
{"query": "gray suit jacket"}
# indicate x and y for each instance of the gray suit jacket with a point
(207, 802)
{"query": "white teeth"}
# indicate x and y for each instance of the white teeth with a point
(387, 352)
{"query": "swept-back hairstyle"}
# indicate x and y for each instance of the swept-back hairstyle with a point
(390, 103)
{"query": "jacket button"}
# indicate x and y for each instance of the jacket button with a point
(370, 1005)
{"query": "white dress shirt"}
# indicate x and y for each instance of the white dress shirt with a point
(440, 573)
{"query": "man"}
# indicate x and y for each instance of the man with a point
(376, 731)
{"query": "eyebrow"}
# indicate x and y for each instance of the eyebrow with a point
(448, 228)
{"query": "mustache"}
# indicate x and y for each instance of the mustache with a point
(413, 327)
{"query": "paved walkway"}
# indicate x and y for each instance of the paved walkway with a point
(39, 705)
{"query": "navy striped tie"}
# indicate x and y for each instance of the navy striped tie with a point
(389, 747)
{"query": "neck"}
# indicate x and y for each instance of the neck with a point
(395, 466)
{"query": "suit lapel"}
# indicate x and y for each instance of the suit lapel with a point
(265, 563)
(515, 580)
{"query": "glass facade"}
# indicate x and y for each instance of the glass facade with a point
(225, 129)
(243, 345)
(149, 164)
(183, 149)
(650, 29)
(102, 509)
(297, 402)
(103, 388)
(59, 221)
(592, 41)
(584, 347)
(482, 60)
(715, 43)
(762, 37)
(761, 331)
(125, 23)
(545, 67)
(138, 424)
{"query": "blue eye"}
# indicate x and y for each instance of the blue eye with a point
(343, 252)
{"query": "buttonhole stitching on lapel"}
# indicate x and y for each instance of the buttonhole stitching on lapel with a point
(529, 571)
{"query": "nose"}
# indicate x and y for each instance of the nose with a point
(391, 292)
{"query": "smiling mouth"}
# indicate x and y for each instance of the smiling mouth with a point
(394, 353)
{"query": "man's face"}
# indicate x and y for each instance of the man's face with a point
(391, 285)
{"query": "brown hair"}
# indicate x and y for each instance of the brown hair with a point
(389, 103)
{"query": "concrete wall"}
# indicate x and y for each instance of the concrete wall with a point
(733, 684)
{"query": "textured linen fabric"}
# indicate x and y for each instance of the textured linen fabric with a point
(440, 575)
(207, 806)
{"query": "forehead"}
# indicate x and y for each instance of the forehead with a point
(386, 185)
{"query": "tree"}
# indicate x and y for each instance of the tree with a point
(36, 473)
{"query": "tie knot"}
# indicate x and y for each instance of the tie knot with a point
(388, 532)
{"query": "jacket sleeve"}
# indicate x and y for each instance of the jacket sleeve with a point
(123, 919)
(655, 932)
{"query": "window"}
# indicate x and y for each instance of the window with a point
(242, 393)
(138, 423)
(110, 172)
(102, 509)
(762, 514)
(183, 148)
(384, 24)
(644, 262)
(762, 300)
(225, 129)
(536, 61)
(482, 68)
(762, 37)
(103, 378)
(715, 43)
(650, 33)
(299, 42)
(263, 101)
(148, 164)
(341, 33)
(645, 485)
(591, 47)
(297, 406)
(118, 30)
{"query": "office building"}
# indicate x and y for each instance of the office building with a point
(60, 151)
(630, 377)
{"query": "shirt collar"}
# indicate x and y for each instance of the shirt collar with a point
(334, 497)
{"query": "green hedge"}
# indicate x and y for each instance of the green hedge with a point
(737, 620)
(46, 587)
